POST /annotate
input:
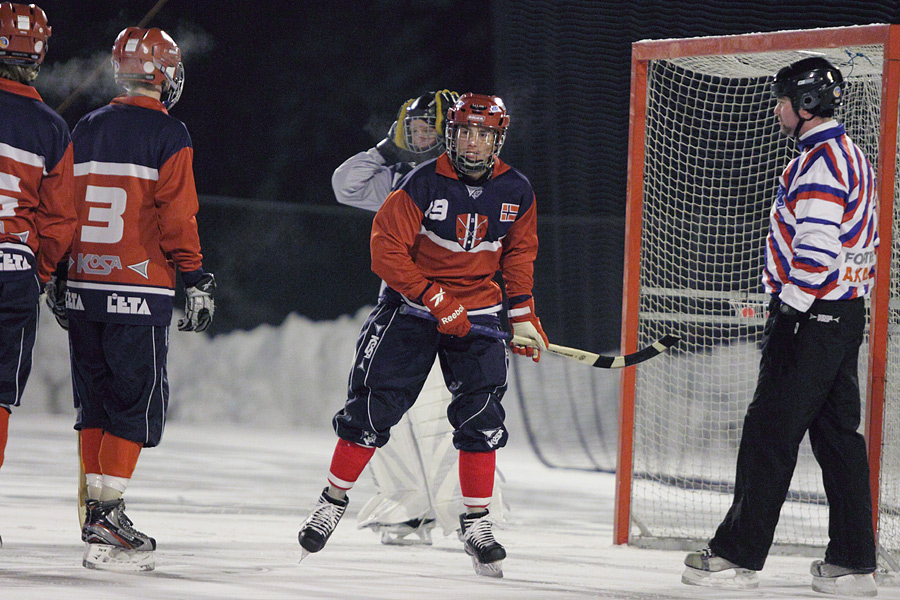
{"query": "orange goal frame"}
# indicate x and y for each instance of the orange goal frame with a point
(645, 51)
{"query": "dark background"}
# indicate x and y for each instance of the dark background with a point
(278, 94)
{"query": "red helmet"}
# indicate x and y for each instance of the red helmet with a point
(149, 56)
(23, 34)
(484, 112)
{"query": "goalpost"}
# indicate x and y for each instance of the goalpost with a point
(704, 155)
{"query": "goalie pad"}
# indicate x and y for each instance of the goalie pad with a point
(417, 475)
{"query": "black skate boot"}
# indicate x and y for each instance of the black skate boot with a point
(111, 541)
(478, 540)
(319, 525)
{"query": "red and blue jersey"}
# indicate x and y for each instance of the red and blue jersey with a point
(823, 226)
(137, 206)
(37, 214)
(435, 227)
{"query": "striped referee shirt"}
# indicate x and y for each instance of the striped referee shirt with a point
(823, 227)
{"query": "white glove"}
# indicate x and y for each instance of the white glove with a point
(199, 307)
(537, 339)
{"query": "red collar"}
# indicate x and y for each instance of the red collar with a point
(142, 102)
(14, 87)
(445, 167)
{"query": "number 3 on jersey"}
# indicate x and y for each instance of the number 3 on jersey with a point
(106, 205)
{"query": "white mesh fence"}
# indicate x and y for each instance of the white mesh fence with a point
(713, 153)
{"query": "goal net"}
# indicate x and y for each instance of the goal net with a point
(705, 155)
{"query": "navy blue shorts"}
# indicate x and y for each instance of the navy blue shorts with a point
(119, 378)
(18, 323)
(394, 354)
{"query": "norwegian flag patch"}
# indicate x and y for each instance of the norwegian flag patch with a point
(508, 212)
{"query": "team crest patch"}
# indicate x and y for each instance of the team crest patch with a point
(4, 42)
(471, 229)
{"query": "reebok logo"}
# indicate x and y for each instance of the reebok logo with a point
(456, 313)
(439, 297)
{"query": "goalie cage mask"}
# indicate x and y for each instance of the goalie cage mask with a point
(152, 57)
(23, 34)
(485, 112)
(430, 107)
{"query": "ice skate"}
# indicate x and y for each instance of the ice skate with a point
(841, 581)
(706, 569)
(111, 542)
(478, 540)
(415, 532)
(320, 524)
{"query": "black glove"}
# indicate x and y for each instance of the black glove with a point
(392, 153)
(199, 307)
(780, 345)
(55, 297)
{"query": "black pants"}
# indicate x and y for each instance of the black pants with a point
(394, 354)
(819, 393)
(119, 378)
(18, 325)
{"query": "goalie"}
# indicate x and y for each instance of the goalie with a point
(414, 474)
(437, 242)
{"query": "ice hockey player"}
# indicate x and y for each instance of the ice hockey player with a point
(823, 215)
(137, 206)
(37, 219)
(437, 242)
(412, 473)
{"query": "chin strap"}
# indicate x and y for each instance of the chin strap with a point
(799, 126)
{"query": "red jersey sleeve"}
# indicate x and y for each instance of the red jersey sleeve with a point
(55, 218)
(394, 231)
(176, 199)
(519, 252)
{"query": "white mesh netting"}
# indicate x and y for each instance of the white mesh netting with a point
(713, 153)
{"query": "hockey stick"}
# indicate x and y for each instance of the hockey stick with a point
(588, 358)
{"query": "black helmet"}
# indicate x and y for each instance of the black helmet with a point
(813, 84)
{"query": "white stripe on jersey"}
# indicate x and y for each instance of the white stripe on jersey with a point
(455, 247)
(119, 287)
(107, 168)
(23, 156)
(17, 247)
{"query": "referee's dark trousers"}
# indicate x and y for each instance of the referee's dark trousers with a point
(816, 389)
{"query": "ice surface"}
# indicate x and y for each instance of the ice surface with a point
(241, 464)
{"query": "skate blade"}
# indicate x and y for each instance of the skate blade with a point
(846, 585)
(494, 569)
(408, 537)
(112, 558)
(734, 579)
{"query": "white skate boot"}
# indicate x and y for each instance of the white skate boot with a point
(705, 568)
(842, 581)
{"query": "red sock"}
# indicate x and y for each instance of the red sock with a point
(347, 463)
(476, 477)
(90, 449)
(118, 456)
(4, 432)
